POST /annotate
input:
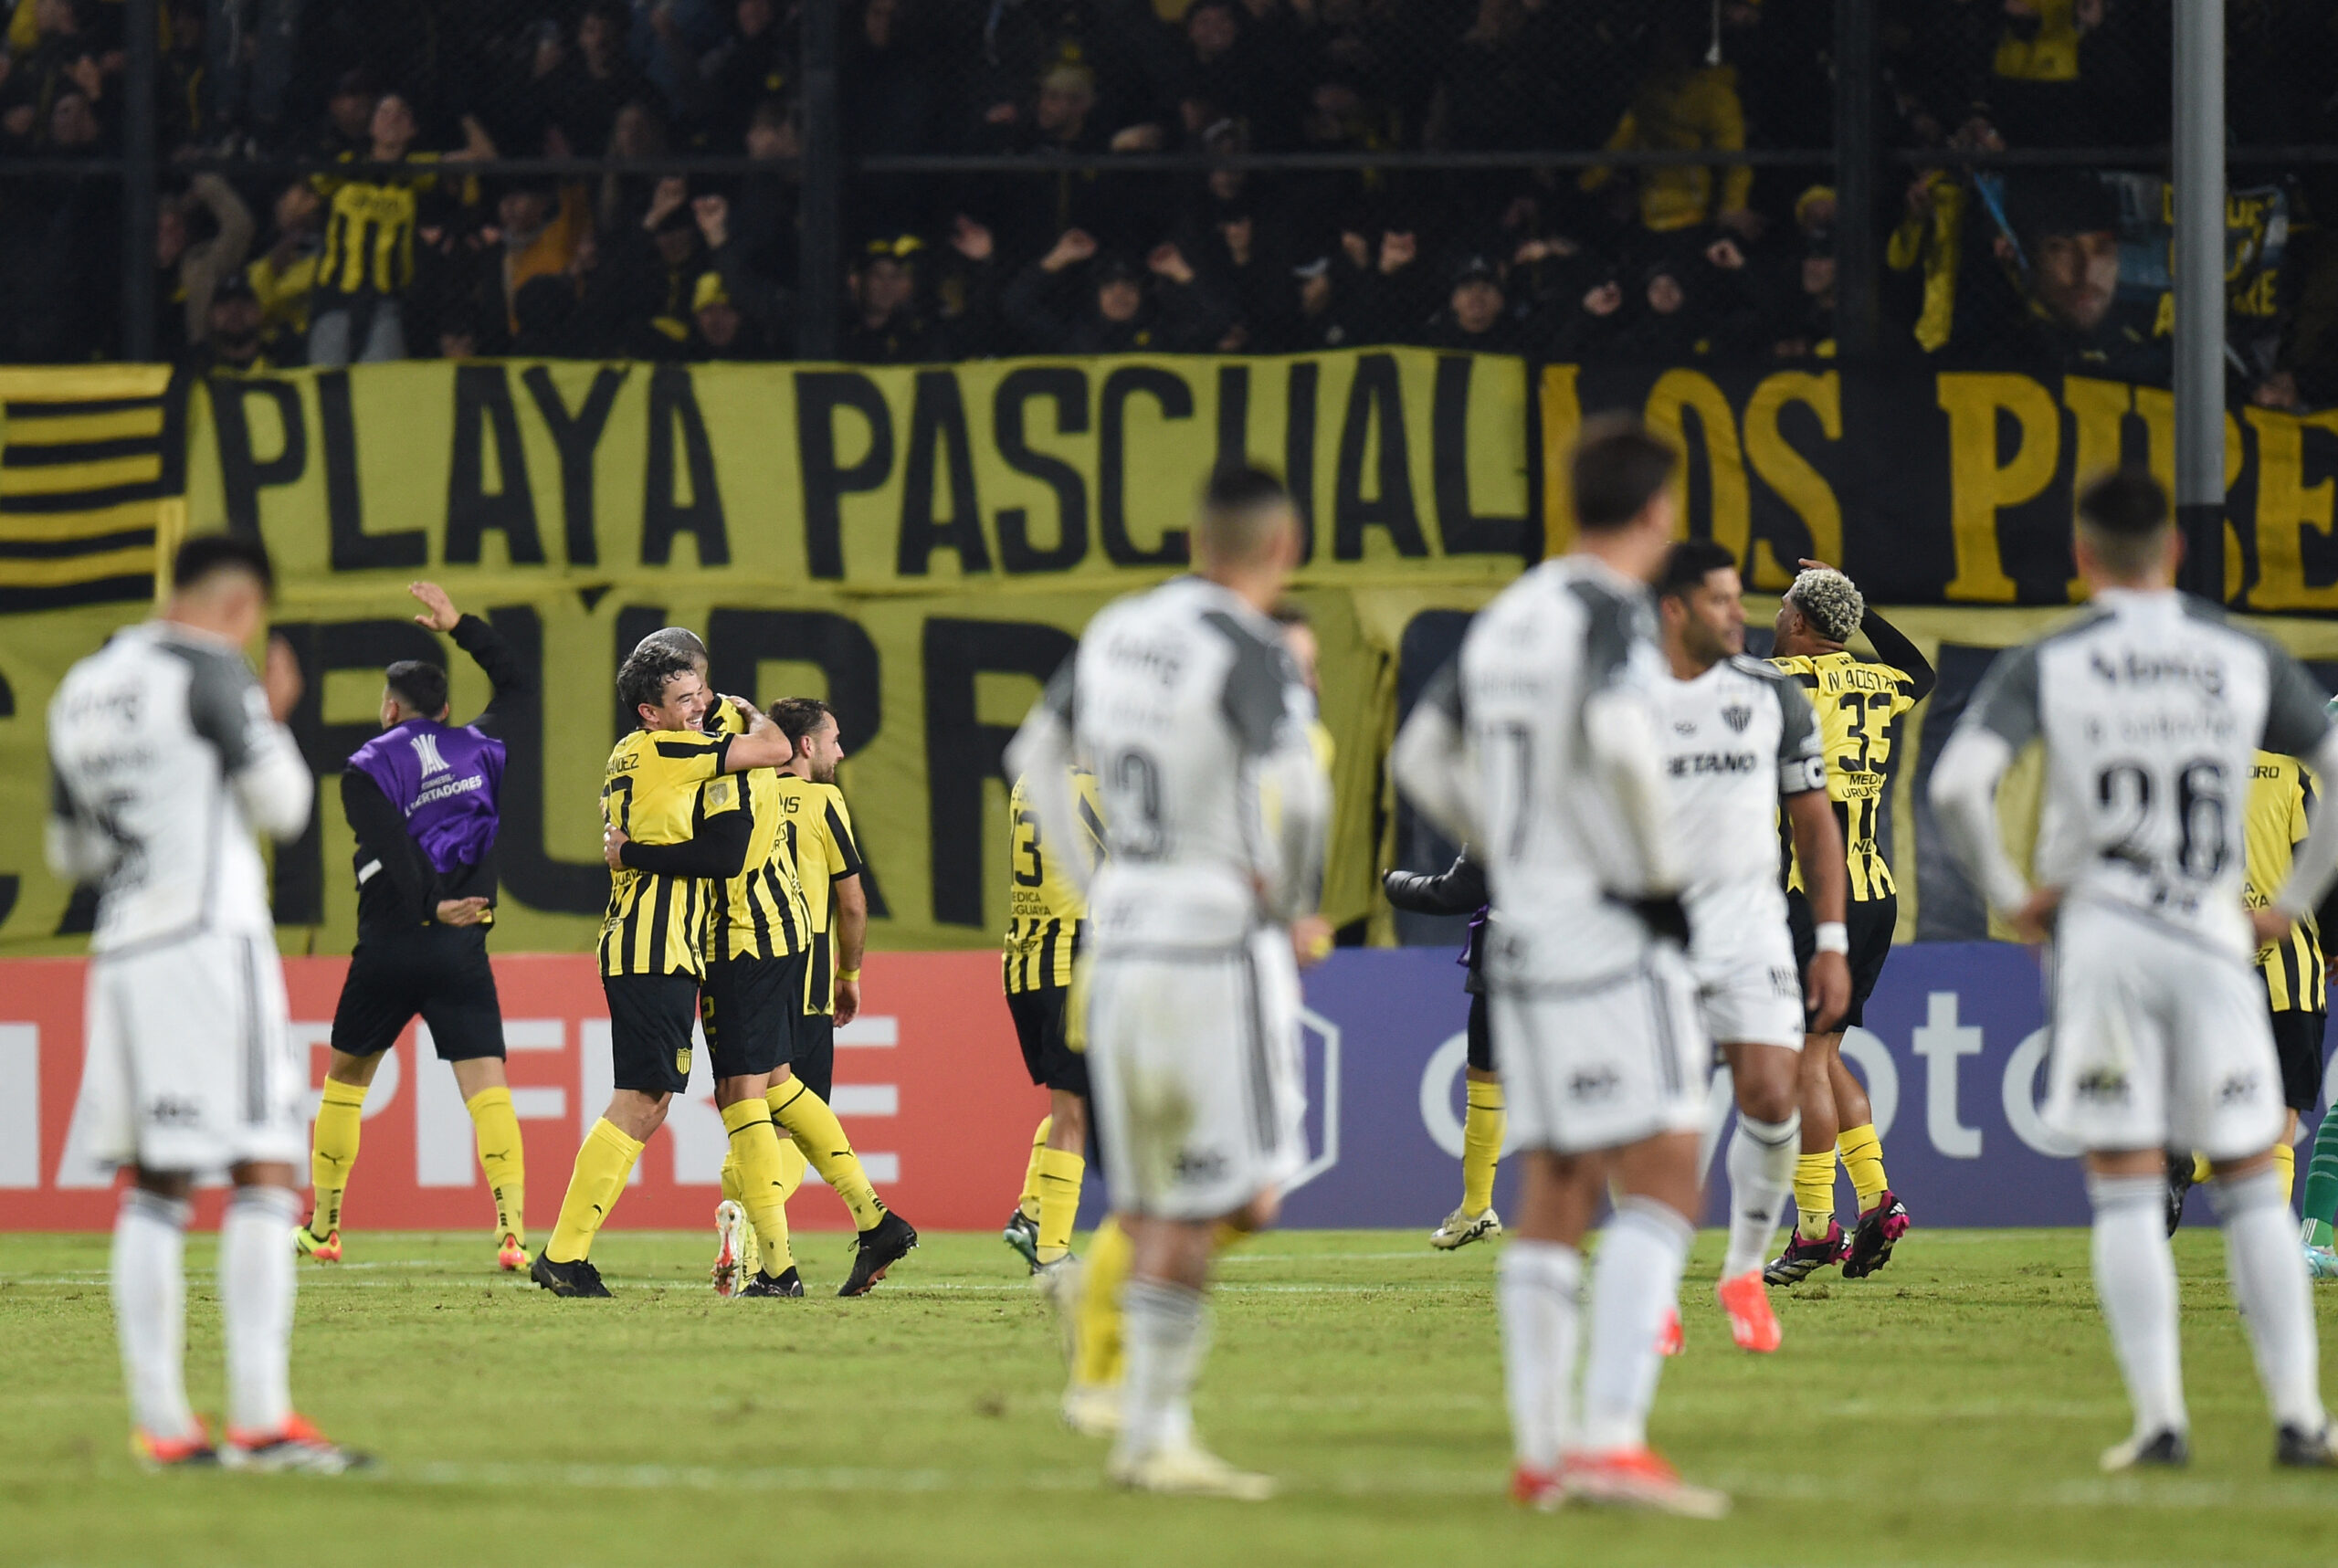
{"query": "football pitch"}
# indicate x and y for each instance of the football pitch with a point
(1947, 1411)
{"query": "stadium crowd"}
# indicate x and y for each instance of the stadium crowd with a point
(1670, 263)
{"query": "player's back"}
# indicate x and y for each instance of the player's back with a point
(1045, 909)
(145, 737)
(1554, 838)
(1858, 703)
(2150, 708)
(1182, 696)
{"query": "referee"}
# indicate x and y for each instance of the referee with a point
(422, 799)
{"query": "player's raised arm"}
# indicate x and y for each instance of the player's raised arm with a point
(764, 745)
(2002, 719)
(1457, 889)
(507, 679)
(1431, 760)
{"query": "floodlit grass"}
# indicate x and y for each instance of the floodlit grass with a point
(1947, 1411)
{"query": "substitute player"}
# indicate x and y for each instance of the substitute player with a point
(423, 799)
(1541, 745)
(1185, 703)
(165, 757)
(1461, 889)
(1741, 745)
(2150, 707)
(1858, 704)
(1043, 936)
(676, 825)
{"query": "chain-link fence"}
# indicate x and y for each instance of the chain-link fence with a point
(335, 180)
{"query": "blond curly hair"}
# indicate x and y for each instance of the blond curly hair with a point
(1829, 601)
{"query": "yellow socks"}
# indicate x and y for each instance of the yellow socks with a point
(334, 1152)
(1862, 1153)
(732, 1191)
(792, 1167)
(755, 1147)
(500, 1160)
(2285, 1163)
(1059, 1174)
(602, 1163)
(2201, 1170)
(1814, 1194)
(1029, 1202)
(816, 1131)
(1481, 1131)
(1097, 1362)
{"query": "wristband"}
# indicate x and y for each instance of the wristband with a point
(847, 977)
(1832, 936)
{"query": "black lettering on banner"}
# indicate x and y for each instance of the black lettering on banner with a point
(1068, 390)
(9, 882)
(739, 640)
(322, 646)
(576, 436)
(1176, 402)
(1376, 396)
(673, 400)
(483, 403)
(818, 394)
(938, 413)
(242, 473)
(1233, 416)
(354, 549)
(1465, 532)
(528, 870)
(960, 750)
(1299, 448)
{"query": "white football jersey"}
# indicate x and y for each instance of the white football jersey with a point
(2152, 708)
(1185, 706)
(163, 760)
(1555, 839)
(1737, 740)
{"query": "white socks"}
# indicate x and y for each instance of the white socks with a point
(1539, 1285)
(256, 1286)
(2268, 1280)
(1635, 1280)
(1761, 1157)
(150, 1310)
(2134, 1279)
(1167, 1333)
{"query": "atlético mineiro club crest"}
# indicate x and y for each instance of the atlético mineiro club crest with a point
(1737, 716)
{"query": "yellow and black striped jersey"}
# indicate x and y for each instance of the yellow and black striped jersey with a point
(661, 787)
(762, 912)
(818, 829)
(1045, 909)
(370, 221)
(1859, 702)
(2282, 802)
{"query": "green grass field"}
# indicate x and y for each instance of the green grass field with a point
(1947, 1411)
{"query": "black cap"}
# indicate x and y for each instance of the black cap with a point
(1113, 267)
(1476, 268)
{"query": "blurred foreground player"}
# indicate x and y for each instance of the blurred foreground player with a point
(1541, 745)
(1186, 705)
(165, 757)
(1858, 704)
(423, 800)
(2150, 707)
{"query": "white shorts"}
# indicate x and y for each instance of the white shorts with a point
(2157, 1043)
(1606, 1063)
(1195, 1073)
(1751, 994)
(190, 1063)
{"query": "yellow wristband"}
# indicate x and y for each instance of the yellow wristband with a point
(848, 976)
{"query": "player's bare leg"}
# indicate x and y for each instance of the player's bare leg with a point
(1165, 1310)
(1762, 1158)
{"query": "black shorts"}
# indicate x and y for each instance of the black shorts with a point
(814, 1062)
(748, 1007)
(650, 1017)
(2296, 1040)
(1870, 924)
(439, 972)
(1040, 1017)
(1481, 1034)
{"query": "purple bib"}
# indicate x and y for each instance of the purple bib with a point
(444, 780)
